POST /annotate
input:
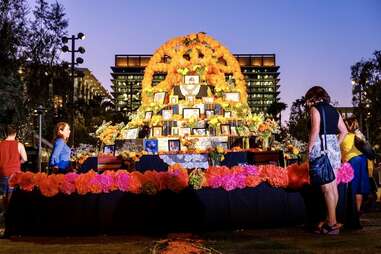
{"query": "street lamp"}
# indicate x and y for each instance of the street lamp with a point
(39, 111)
(74, 61)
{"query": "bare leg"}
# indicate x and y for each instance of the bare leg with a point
(358, 202)
(331, 197)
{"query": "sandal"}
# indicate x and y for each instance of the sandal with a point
(330, 230)
(318, 228)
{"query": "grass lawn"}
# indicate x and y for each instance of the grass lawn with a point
(284, 240)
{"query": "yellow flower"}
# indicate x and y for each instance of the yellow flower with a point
(220, 149)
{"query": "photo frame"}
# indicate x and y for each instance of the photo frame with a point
(233, 131)
(131, 133)
(173, 99)
(223, 145)
(151, 146)
(109, 149)
(232, 96)
(227, 114)
(175, 131)
(167, 114)
(208, 100)
(159, 97)
(148, 115)
(157, 131)
(199, 131)
(190, 112)
(209, 113)
(225, 129)
(185, 131)
(191, 79)
(190, 99)
(174, 145)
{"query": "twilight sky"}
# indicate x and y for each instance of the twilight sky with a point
(315, 42)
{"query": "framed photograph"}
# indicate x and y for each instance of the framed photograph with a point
(174, 145)
(173, 99)
(151, 145)
(191, 112)
(148, 115)
(109, 149)
(157, 131)
(159, 97)
(167, 114)
(225, 129)
(191, 79)
(227, 114)
(209, 113)
(235, 97)
(132, 145)
(224, 145)
(199, 131)
(184, 131)
(233, 131)
(175, 131)
(132, 133)
(207, 100)
(190, 99)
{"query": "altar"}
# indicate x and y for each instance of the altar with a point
(192, 158)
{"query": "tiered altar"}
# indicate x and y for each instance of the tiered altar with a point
(201, 103)
(198, 115)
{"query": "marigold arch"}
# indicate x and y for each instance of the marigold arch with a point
(197, 49)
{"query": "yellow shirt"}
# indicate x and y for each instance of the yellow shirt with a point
(348, 148)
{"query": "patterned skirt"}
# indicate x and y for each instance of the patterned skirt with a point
(333, 147)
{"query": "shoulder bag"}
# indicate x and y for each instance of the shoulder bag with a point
(321, 171)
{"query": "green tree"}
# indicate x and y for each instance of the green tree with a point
(276, 109)
(47, 29)
(299, 120)
(366, 77)
(13, 36)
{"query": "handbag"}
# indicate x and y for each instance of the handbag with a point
(365, 148)
(321, 171)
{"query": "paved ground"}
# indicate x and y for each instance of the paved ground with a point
(284, 240)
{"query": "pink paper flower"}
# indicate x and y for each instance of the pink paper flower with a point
(345, 174)
(68, 185)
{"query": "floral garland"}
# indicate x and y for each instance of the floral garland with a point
(175, 179)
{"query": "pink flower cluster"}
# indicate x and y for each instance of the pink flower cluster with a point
(175, 179)
(345, 174)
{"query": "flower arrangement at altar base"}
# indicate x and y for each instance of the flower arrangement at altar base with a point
(175, 179)
(82, 152)
(217, 155)
(108, 133)
(291, 147)
(197, 179)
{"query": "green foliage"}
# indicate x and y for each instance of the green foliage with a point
(299, 121)
(29, 44)
(366, 76)
(276, 108)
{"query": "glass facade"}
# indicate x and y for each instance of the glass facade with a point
(260, 72)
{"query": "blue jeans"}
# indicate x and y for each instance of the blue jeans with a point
(4, 186)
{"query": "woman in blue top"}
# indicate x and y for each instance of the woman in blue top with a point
(60, 157)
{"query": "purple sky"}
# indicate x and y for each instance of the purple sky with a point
(315, 42)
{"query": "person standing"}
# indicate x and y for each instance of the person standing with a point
(12, 155)
(60, 156)
(318, 102)
(358, 161)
